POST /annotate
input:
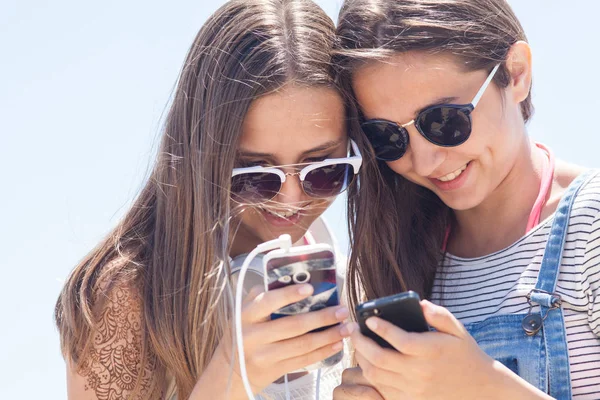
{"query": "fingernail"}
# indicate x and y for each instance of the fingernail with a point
(305, 290)
(347, 329)
(427, 308)
(372, 324)
(341, 313)
(338, 346)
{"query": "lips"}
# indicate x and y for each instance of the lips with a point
(454, 180)
(281, 218)
(453, 175)
(282, 213)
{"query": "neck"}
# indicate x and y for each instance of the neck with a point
(242, 239)
(502, 217)
(243, 242)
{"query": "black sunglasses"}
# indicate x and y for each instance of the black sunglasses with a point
(445, 125)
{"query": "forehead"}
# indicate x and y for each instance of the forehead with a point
(408, 82)
(292, 120)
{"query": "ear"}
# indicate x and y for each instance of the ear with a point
(518, 64)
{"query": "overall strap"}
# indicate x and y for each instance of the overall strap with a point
(549, 269)
(559, 381)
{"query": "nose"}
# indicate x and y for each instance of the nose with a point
(291, 190)
(425, 156)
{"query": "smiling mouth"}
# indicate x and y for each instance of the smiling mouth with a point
(282, 213)
(453, 175)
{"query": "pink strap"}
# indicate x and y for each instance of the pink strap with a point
(446, 238)
(536, 211)
(547, 176)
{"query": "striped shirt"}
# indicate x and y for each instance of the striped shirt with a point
(474, 289)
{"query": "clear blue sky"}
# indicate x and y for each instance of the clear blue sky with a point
(83, 86)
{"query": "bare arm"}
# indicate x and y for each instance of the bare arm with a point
(112, 366)
(215, 382)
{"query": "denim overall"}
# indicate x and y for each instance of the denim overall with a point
(534, 345)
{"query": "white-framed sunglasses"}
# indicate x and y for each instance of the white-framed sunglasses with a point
(319, 179)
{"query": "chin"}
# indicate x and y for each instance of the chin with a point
(461, 202)
(296, 231)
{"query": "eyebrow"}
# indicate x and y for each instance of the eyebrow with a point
(443, 100)
(440, 101)
(322, 147)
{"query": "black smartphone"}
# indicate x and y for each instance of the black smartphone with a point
(402, 309)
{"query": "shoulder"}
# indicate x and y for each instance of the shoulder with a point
(117, 361)
(587, 201)
(117, 288)
(589, 194)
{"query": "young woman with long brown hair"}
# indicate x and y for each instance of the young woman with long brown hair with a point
(464, 208)
(147, 314)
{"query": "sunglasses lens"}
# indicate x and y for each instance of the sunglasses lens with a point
(445, 126)
(389, 141)
(329, 180)
(255, 187)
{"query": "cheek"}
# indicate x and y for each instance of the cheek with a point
(493, 148)
(401, 166)
(494, 127)
(248, 217)
(318, 207)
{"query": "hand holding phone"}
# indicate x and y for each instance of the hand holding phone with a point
(402, 309)
(311, 264)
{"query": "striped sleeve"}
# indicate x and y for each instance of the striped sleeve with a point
(591, 274)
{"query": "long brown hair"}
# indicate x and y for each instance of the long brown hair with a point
(174, 241)
(397, 228)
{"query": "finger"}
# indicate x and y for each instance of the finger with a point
(385, 381)
(353, 392)
(313, 357)
(298, 346)
(389, 388)
(408, 343)
(268, 302)
(297, 325)
(420, 344)
(253, 293)
(354, 376)
(380, 357)
(443, 320)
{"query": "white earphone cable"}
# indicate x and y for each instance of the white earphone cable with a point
(283, 242)
(287, 389)
(318, 385)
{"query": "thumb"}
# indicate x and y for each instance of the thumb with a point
(442, 320)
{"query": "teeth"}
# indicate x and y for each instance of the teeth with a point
(282, 214)
(453, 175)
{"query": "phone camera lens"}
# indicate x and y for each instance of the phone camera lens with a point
(301, 277)
(365, 315)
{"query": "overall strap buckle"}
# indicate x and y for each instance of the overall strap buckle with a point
(532, 323)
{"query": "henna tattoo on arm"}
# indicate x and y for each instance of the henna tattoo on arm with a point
(113, 367)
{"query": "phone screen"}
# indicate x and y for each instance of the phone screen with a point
(317, 269)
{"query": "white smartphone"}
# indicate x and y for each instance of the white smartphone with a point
(313, 264)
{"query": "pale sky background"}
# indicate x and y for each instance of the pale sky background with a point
(83, 86)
